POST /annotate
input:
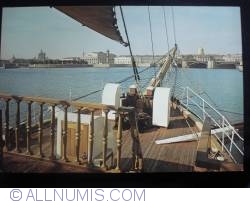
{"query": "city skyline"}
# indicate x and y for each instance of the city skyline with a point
(125, 55)
(216, 29)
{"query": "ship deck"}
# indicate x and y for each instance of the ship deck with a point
(176, 157)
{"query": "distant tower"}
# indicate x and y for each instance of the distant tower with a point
(107, 60)
(12, 60)
(201, 51)
(42, 56)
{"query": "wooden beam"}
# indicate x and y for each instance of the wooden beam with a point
(54, 102)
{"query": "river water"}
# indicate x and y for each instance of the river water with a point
(223, 86)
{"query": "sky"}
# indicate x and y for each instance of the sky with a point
(25, 31)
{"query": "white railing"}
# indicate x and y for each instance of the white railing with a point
(202, 109)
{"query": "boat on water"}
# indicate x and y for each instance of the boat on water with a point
(156, 129)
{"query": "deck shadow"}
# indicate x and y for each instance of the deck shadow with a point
(180, 123)
(175, 112)
(23, 164)
(157, 166)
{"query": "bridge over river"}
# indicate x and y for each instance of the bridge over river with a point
(208, 64)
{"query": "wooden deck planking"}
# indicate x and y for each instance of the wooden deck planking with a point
(16, 163)
(165, 157)
(177, 157)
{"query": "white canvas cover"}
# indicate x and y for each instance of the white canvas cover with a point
(111, 96)
(161, 106)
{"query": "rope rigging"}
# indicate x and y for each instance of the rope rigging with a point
(172, 73)
(165, 23)
(152, 43)
(93, 92)
(118, 82)
(172, 9)
(136, 74)
(135, 70)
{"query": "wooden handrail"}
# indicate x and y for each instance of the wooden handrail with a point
(51, 101)
(80, 106)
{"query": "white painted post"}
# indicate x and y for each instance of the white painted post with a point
(232, 139)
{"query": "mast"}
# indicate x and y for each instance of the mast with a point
(155, 82)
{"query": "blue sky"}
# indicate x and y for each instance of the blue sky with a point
(27, 30)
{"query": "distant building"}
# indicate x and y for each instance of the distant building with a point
(141, 60)
(147, 59)
(232, 58)
(110, 57)
(41, 56)
(13, 59)
(201, 51)
(70, 60)
(99, 57)
(122, 60)
(202, 58)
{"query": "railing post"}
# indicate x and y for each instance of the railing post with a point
(203, 109)
(28, 128)
(17, 126)
(137, 160)
(91, 139)
(104, 140)
(187, 98)
(40, 131)
(231, 144)
(223, 134)
(78, 135)
(134, 145)
(65, 133)
(119, 142)
(1, 141)
(52, 134)
(7, 130)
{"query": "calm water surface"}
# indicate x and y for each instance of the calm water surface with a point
(224, 86)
